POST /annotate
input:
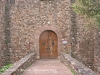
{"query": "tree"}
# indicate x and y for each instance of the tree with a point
(89, 8)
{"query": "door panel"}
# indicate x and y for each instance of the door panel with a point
(48, 45)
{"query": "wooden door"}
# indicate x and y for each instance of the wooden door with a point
(48, 45)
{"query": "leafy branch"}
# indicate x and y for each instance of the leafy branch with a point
(89, 8)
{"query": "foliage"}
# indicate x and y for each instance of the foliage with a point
(67, 52)
(89, 8)
(74, 73)
(72, 55)
(5, 68)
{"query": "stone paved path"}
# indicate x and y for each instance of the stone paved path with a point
(47, 67)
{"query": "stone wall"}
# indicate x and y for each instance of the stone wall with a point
(97, 52)
(25, 17)
(73, 64)
(28, 16)
(83, 33)
(19, 67)
(2, 36)
(84, 41)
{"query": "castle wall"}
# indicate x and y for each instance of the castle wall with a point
(2, 35)
(83, 41)
(28, 16)
(97, 52)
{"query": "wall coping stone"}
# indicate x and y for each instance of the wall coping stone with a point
(78, 67)
(19, 66)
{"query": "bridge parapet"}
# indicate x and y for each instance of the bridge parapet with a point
(78, 67)
(21, 65)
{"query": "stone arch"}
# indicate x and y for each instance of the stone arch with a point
(42, 29)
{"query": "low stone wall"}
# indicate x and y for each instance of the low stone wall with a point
(78, 67)
(21, 65)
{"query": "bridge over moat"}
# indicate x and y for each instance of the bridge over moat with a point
(66, 65)
(48, 67)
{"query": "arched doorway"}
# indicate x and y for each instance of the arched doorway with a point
(48, 45)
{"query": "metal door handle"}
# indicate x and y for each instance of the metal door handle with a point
(43, 43)
(48, 48)
(52, 42)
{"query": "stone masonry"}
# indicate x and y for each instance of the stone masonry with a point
(26, 18)
(2, 35)
(83, 42)
(97, 52)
